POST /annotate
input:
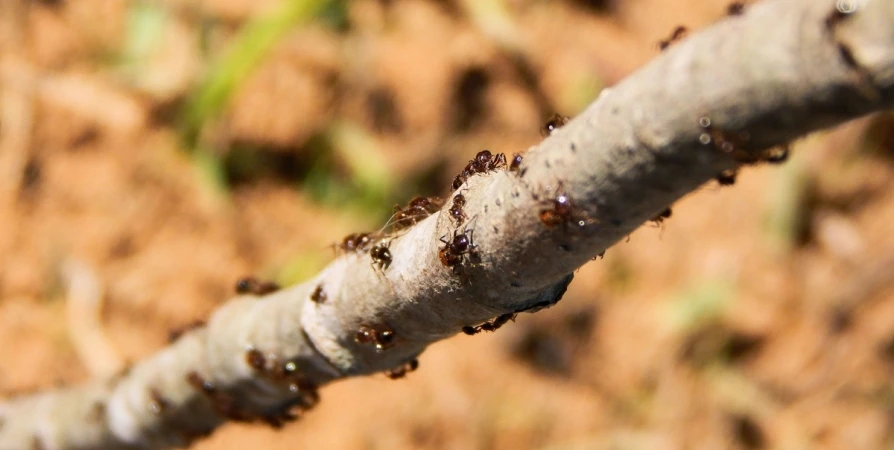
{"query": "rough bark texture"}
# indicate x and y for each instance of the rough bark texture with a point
(782, 69)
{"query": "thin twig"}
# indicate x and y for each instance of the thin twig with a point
(780, 70)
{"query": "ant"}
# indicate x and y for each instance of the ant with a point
(677, 34)
(735, 9)
(196, 381)
(253, 286)
(842, 11)
(490, 325)
(461, 179)
(516, 162)
(554, 123)
(382, 338)
(418, 208)
(484, 162)
(402, 370)
(456, 209)
(455, 251)
(381, 256)
(727, 141)
(356, 242)
(222, 403)
(776, 155)
(157, 403)
(727, 177)
(256, 359)
(562, 211)
(175, 334)
(318, 295)
(662, 216)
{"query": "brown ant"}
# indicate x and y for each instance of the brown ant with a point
(776, 155)
(157, 403)
(516, 162)
(356, 242)
(842, 11)
(402, 370)
(484, 162)
(175, 334)
(554, 123)
(232, 409)
(461, 179)
(196, 381)
(222, 403)
(253, 286)
(256, 359)
(677, 34)
(562, 212)
(662, 216)
(381, 256)
(735, 9)
(456, 209)
(727, 177)
(727, 141)
(490, 325)
(383, 337)
(318, 295)
(418, 209)
(457, 250)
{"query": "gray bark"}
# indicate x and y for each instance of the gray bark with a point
(782, 69)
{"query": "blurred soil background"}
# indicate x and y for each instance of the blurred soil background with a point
(153, 152)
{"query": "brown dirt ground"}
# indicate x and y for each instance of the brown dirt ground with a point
(758, 316)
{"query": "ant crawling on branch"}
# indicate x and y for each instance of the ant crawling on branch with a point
(175, 334)
(253, 286)
(776, 155)
(484, 162)
(456, 209)
(318, 295)
(457, 250)
(381, 256)
(735, 9)
(563, 212)
(515, 165)
(727, 177)
(357, 242)
(382, 336)
(491, 325)
(418, 209)
(662, 216)
(403, 369)
(728, 142)
(555, 122)
(678, 33)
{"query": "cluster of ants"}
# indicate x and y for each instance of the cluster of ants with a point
(459, 248)
(306, 395)
(457, 251)
(730, 142)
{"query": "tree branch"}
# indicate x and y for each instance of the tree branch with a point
(782, 69)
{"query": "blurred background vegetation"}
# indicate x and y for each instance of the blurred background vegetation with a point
(163, 149)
